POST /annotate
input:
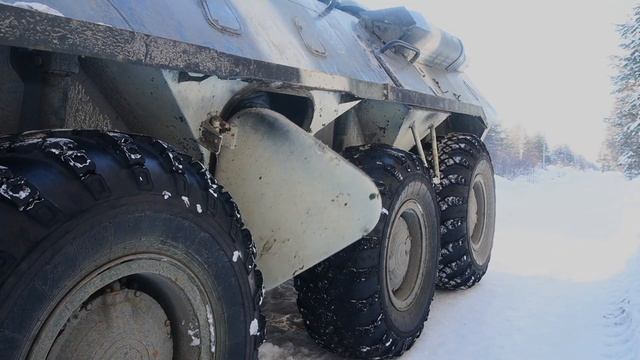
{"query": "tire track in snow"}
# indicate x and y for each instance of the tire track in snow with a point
(622, 320)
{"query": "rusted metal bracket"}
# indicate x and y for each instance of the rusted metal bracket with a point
(213, 133)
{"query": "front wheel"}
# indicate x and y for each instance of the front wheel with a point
(371, 299)
(467, 200)
(115, 246)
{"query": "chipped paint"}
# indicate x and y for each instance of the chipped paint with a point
(166, 195)
(199, 208)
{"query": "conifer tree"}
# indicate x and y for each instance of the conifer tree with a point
(626, 118)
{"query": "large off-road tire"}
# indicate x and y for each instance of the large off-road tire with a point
(371, 299)
(115, 246)
(466, 196)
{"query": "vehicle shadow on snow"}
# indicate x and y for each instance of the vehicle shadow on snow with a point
(506, 315)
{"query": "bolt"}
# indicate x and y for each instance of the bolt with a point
(137, 294)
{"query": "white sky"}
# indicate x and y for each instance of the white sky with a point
(544, 64)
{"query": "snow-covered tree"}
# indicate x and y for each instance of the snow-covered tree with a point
(500, 149)
(563, 155)
(608, 157)
(626, 118)
(534, 148)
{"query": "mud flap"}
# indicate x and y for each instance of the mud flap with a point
(302, 201)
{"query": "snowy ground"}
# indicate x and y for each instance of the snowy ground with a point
(564, 280)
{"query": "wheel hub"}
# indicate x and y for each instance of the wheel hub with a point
(476, 220)
(400, 249)
(100, 319)
(473, 212)
(406, 253)
(123, 324)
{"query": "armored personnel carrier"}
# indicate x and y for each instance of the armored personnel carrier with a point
(164, 162)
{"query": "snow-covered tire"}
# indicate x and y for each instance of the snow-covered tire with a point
(466, 196)
(95, 223)
(365, 301)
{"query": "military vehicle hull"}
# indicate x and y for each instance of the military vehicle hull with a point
(266, 94)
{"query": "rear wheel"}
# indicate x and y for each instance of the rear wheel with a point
(466, 196)
(372, 299)
(114, 246)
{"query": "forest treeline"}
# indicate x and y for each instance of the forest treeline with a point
(516, 153)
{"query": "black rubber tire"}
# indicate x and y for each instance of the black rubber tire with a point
(344, 300)
(89, 197)
(462, 158)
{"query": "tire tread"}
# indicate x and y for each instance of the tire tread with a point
(458, 153)
(340, 299)
(61, 152)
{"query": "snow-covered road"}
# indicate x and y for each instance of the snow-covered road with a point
(564, 280)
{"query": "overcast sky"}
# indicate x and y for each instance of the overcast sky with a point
(544, 64)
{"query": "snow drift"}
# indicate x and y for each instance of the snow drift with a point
(564, 281)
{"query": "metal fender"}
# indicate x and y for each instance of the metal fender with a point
(302, 201)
